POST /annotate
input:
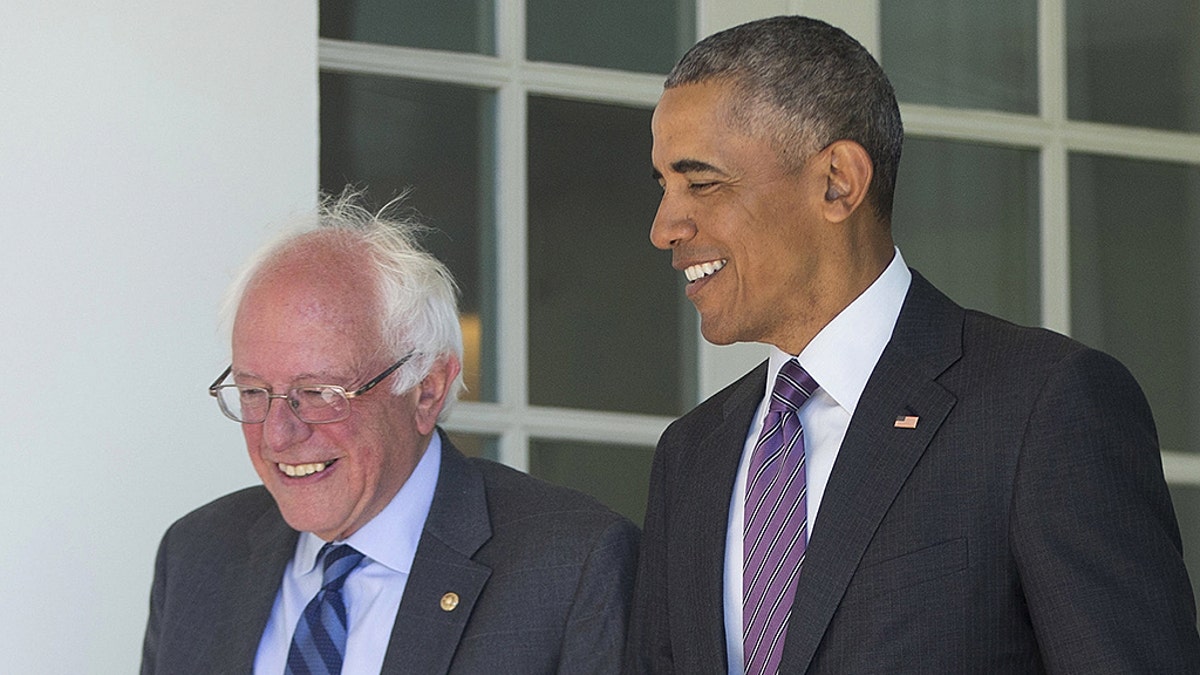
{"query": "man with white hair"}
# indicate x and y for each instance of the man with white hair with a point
(374, 545)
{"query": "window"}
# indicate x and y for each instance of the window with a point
(521, 132)
(1038, 184)
(1052, 176)
(1080, 212)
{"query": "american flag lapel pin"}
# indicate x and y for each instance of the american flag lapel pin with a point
(906, 422)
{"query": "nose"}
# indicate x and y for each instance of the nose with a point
(282, 429)
(672, 224)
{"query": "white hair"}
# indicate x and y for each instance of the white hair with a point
(418, 297)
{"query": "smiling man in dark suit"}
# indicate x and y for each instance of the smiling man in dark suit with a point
(905, 485)
(373, 544)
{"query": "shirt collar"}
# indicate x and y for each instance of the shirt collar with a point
(843, 354)
(391, 537)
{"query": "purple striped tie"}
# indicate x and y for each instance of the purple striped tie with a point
(776, 523)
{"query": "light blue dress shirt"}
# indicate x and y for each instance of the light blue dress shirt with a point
(840, 358)
(373, 591)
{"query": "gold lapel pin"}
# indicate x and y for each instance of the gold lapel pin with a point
(449, 602)
(906, 422)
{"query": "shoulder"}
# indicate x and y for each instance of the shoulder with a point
(527, 511)
(1037, 356)
(997, 369)
(514, 497)
(981, 330)
(978, 346)
(737, 400)
(224, 523)
(242, 507)
(1031, 381)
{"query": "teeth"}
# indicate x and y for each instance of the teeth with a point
(702, 270)
(301, 470)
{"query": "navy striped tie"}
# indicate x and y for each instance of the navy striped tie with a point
(776, 522)
(319, 644)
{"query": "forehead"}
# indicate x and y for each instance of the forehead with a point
(700, 122)
(700, 105)
(698, 129)
(309, 308)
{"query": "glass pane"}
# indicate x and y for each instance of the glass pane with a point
(966, 216)
(964, 55)
(387, 135)
(1135, 254)
(1134, 66)
(622, 34)
(617, 475)
(608, 327)
(476, 445)
(454, 25)
(1187, 512)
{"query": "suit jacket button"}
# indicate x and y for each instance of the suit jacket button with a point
(449, 602)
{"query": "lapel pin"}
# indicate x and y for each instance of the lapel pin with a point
(906, 422)
(449, 602)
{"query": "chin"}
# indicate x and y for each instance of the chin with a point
(715, 336)
(322, 529)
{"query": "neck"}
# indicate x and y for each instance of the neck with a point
(848, 278)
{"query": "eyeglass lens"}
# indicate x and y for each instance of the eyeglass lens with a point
(311, 404)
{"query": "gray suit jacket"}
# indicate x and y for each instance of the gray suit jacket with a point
(543, 575)
(1023, 526)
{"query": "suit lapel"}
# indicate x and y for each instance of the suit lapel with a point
(427, 630)
(713, 462)
(875, 460)
(252, 584)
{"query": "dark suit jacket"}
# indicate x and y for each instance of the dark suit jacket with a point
(1023, 526)
(543, 575)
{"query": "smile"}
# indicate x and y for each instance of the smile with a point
(704, 269)
(302, 470)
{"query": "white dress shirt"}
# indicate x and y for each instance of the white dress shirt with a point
(840, 358)
(373, 591)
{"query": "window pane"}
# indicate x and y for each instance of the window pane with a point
(966, 55)
(966, 217)
(455, 25)
(475, 445)
(1135, 253)
(608, 327)
(617, 475)
(622, 34)
(1187, 511)
(386, 135)
(1134, 64)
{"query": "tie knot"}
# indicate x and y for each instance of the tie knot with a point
(793, 386)
(340, 561)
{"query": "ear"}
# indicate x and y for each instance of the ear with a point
(432, 391)
(848, 176)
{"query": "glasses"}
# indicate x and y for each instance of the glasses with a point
(313, 404)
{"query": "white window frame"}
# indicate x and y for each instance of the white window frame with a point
(511, 419)
(1050, 133)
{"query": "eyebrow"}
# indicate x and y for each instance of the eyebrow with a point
(304, 379)
(688, 166)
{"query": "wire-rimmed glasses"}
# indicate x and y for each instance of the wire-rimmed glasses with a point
(312, 403)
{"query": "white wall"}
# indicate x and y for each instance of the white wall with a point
(144, 149)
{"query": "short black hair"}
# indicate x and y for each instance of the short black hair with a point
(808, 84)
